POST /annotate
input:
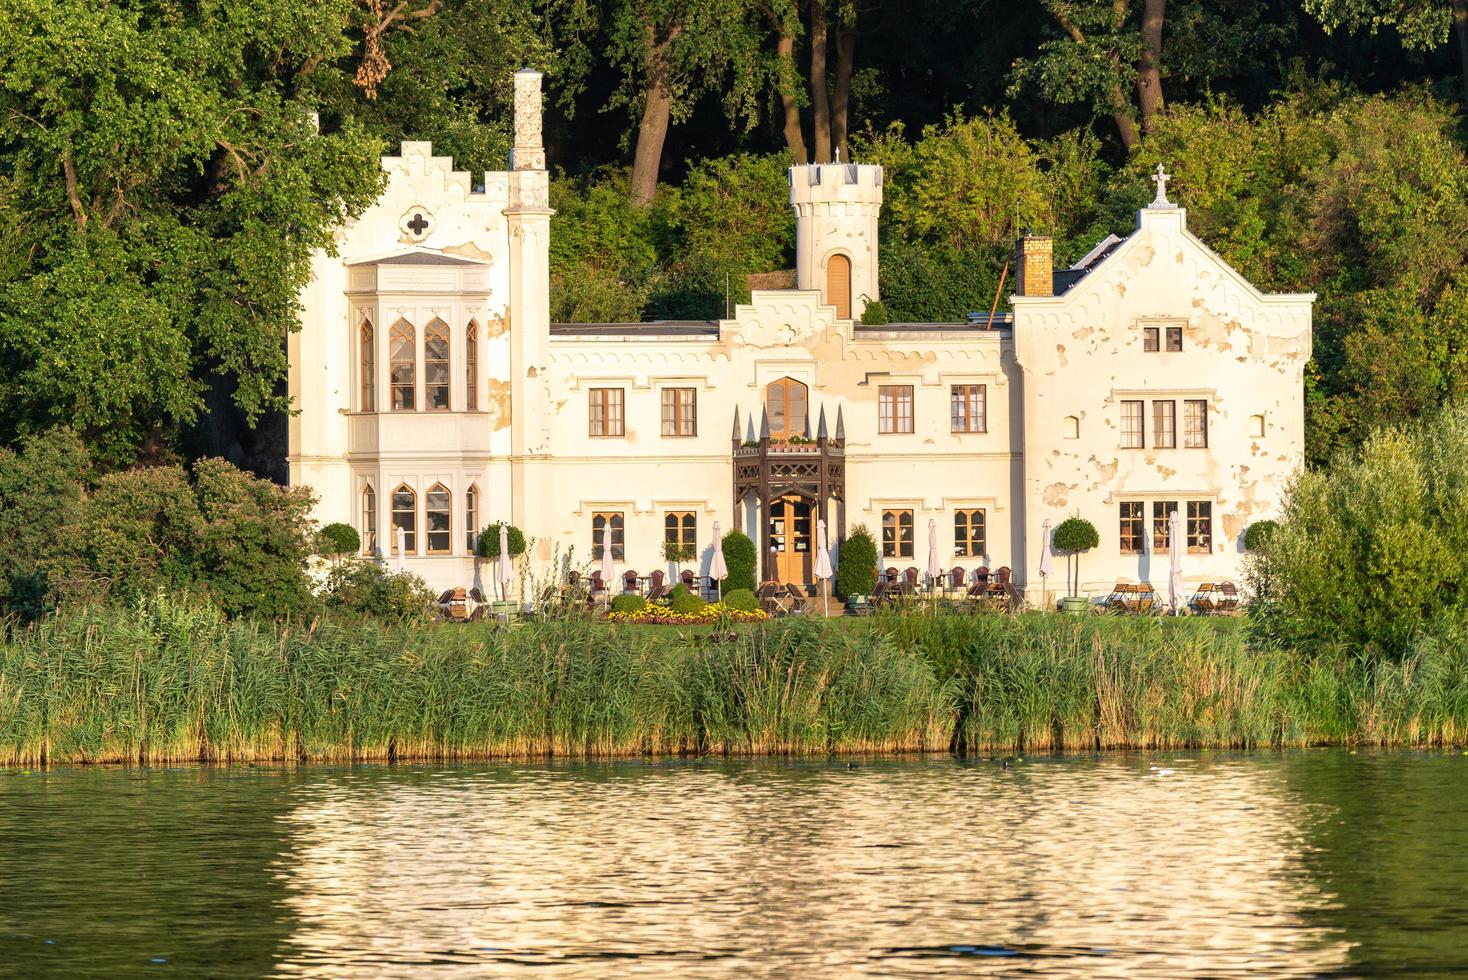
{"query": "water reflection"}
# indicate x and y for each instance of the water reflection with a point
(1166, 865)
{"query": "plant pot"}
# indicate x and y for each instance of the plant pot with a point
(856, 603)
(504, 608)
(1075, 604)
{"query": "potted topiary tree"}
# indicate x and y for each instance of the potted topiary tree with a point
(336, 541)
(489, 549)
(1256, 535)
(1073, 536)
(677, 554)
(856, 571)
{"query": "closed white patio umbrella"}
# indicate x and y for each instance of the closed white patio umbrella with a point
(1176, 543)
(607, 569)
(823, 565)
(718, 571)
(1047, 565)
(935, 570)
(400, 538)
(502, 568)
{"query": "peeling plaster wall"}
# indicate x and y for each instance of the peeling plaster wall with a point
(1082, 355)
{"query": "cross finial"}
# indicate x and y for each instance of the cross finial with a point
(1160, 179)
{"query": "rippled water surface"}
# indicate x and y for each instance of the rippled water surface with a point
(1304, 864)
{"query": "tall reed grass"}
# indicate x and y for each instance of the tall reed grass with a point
(164, 682)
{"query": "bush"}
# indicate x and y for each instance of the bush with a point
(1256, 535)
(1370, 557)
(339, 540)
(739, 559)
(365, 588)
(875, 314)
(856, 572)
(40, 493)
(680, 600)
(489, 540)
(741, 599)
(628, 603)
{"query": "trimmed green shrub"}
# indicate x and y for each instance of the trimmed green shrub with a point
(1073, 536)
(875, 314)
(489, 540)
(739, 559)
(1256, 535)
(365, 588)
(680, 600)
(741, 599)
(856, 572)
(628, 602)
(339, 540)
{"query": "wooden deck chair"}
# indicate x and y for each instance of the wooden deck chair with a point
(656, 589)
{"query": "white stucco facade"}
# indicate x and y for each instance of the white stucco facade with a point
(430, 383)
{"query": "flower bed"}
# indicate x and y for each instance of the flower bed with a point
(664, 615)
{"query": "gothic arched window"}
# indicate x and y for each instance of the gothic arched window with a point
(437, 521)
(369, 520)
(367, 364)
(785, 401)
(405, 516)
(436, 366)
(471, 367)
(403, 366)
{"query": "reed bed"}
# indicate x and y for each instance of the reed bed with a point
(167, 682)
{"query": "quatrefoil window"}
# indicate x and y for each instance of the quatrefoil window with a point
(417, 223)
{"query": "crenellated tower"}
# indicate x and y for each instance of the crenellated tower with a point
(836, 209)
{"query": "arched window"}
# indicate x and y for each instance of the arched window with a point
(437, 521)
(436, 367)
(367, 363)
(838, 285)
(405, 516)
(403, 365)
(785, 400)
(471, 367)
(471, 518)
(369, 520)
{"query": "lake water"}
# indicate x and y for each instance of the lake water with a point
(1167, 864)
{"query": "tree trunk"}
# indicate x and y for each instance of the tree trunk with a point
(819, 100)
(1149, 66)
(651, 132)
(794, 138)
(1460, 27)
(841, 93)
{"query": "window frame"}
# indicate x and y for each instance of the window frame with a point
(681, 526)
(1141, 424)
(471, 518)
(968, 404)
(430, 511)
(1173, 339)
(618, 520)
(438, 332)
(780, 421)
(402, 333)
(602, 399)
(1151, 340)
(899, 545)
(1161, 530)
(890, 403)
(1164, 436)
(410, 530)
(965, 520)
(471, 366)
(366, 366)
(1131, 528)
(676, 416)
(1199, 527)
(368, 503)
(1201, 418)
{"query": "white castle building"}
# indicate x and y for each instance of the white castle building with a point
(435, 395)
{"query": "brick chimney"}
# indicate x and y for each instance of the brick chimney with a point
(1034, 261)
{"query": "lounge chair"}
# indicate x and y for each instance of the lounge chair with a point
(598, 591)
(910, 576)
(797, 599)
(769, 595)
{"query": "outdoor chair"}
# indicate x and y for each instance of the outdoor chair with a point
(689, 581)
(889, 575)
(1202, 603)
(910, 576)
(1229, 604)
(1137, 599)
(655, 588)
(629, 581)
(598, 588)
(796, 596)
(769, 598)
(956, 578)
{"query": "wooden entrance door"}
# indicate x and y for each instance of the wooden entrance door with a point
(790, 539)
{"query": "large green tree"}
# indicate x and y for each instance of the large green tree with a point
(162, 187)
(1421, 24)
